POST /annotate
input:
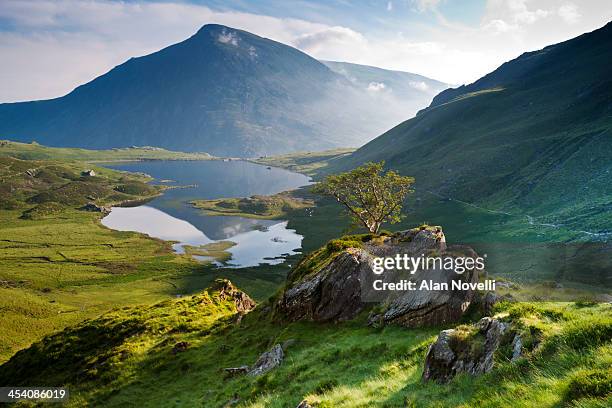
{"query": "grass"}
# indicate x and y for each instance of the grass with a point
(94, 310)
(309, 163)
(61, 266)
(128, 355)
(525, 140)
(35, 151)
(261, 207)
(216, 251)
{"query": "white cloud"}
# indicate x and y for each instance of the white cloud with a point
(419, 85)
(498, 26)
(424, 5)
(63, 43)
(228, 37)
(515, 12)
(329, 37)
(569, 13)
(389, 6)
(376, 86)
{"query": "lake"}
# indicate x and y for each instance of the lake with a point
(170, 217)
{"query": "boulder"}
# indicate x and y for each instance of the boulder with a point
(95, 208)
(517, 347)
(226, 290)
(333, 294)
(267, 361)
(467, 349)
(304, 404)
(343, 287)
(237, 370)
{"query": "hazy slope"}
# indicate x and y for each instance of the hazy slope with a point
(406, 93)
(224, 91)
(532, 137)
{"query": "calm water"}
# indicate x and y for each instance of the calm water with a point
(171, 217)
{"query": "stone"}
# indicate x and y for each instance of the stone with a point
(517, 347)
(343, 288)
(88, 173)
(456, 352)
(267, 361)
(95, 208)
(304, 404)
(227, 290)
(237, 370)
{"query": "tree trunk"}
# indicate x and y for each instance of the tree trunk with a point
(374, 227)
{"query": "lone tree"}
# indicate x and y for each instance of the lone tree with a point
(371, 195)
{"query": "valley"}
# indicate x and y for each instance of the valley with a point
(228, 221)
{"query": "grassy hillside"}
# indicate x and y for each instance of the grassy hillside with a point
(174, 353)
(100, 308)
(533, 138)
(309, 163)
(60, 265)
(35, 151)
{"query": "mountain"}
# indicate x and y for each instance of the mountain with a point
(533, 138)
(223, 91)
(406, 89)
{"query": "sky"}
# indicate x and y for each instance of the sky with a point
(48, 47)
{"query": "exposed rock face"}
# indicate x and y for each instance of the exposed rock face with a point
(267, 361)
(228, 291)
(517, 347)
(344, 287)
(334, 294)
(464, 351)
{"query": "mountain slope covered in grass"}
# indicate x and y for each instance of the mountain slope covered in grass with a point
(175, 352)
(224, 91)
(534, 137)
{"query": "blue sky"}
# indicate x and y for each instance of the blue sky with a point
(48, 47)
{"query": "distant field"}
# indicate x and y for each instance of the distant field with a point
(60, 265)
(34, 151)
(309, 163)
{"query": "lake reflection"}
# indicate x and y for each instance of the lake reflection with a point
(171, 217)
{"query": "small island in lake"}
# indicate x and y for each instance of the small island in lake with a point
(257, 206)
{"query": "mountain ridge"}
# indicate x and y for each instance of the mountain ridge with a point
(532, 137)
(222, 90)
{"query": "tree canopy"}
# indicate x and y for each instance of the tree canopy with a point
(371, 195)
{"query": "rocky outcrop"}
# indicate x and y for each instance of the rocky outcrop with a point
(343, 286)
(467, 349)
(267, 361)
(96, 208)
(334, 294)
(226, 290)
